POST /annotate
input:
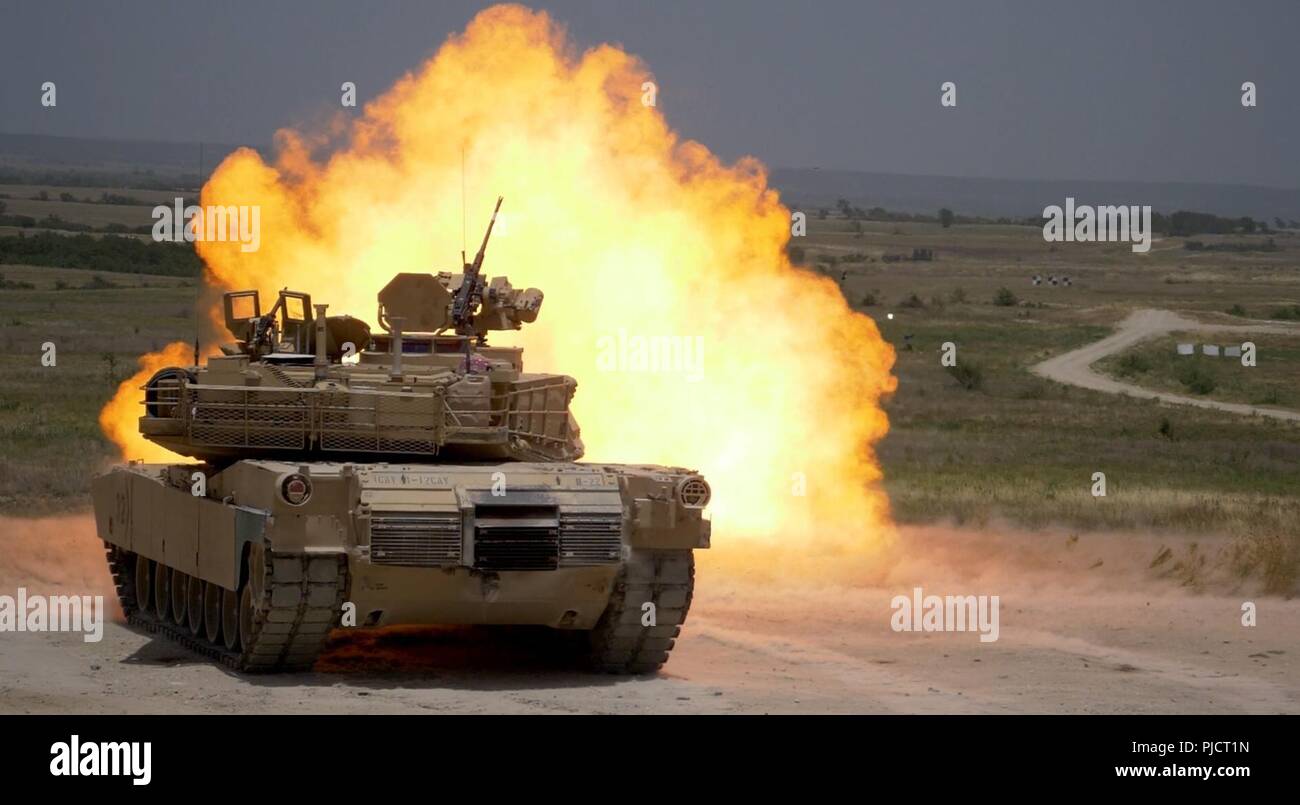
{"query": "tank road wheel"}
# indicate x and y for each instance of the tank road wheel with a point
(278, 620)
(212, 612)
(180, 596)
(144, 583)
(162, 590)
(632, 638)
(230, 619)
(251, 598)
(194, 606)
(246, 616)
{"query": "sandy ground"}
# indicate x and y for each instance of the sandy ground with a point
(1073, 367)
(1085, 627)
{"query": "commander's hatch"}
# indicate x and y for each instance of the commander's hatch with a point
(286, 329)
(243, 309)
(295, 322)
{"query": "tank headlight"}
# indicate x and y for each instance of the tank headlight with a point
(694, 492)
(295, 489)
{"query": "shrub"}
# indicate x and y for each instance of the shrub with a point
(98, 283)
(1033, 391)
(1005, 297)
(912, 301)
(1196, 379)
(968, 375)
(14, 285)
(1270, 396)
(1133, 364)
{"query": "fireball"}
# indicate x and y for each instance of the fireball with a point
(669, 295)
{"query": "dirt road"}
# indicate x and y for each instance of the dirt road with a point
(1083, 628)
(1074, 367)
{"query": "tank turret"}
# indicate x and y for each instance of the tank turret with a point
(297, 382)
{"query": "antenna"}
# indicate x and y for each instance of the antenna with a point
(198, 284)
(462, 204)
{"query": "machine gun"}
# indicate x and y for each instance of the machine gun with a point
(470, 293)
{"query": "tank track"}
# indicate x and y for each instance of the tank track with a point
(121, 564)
(300, 600)
(620, 644)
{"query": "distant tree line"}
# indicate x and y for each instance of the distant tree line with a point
(138, 179)
(14, 285)
(105, 197)
(1245, 246)
(945, 216)
(53, 221)
(1183, 223)
(110, 254)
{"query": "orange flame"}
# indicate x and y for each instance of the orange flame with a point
(631, 232)
(118, 418)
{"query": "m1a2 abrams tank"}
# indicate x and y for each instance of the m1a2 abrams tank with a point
(413, 476)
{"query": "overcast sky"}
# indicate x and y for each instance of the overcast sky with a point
(1137, 90)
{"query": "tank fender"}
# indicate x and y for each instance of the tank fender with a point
(659, 515)
(250, 529)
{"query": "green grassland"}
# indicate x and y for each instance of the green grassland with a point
(991, 443)
(49, 431)
(1156, 364)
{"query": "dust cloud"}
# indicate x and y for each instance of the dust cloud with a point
(54, 555)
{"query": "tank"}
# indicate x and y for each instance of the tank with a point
(413, 475)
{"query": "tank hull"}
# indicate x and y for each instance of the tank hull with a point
(302, 548)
